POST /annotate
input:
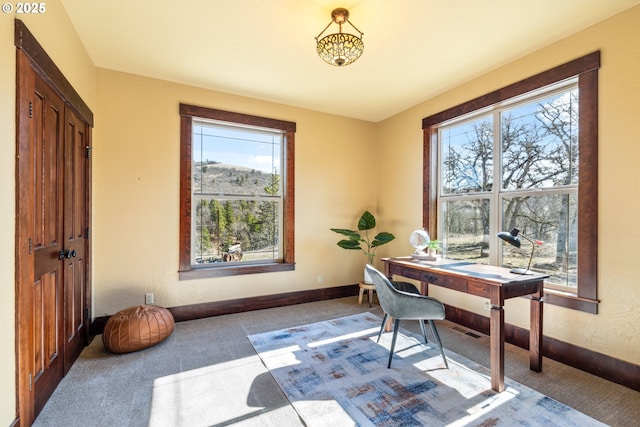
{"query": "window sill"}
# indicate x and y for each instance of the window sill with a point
(234, 270)
(569, 300)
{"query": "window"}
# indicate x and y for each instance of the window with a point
(534, 146)
(522, 157)
(236, 193)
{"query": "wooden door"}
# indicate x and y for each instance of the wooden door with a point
(47, 297)
(53, 175)
(75, 235)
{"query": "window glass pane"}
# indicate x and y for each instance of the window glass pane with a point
(466, 230)
(467, 156)
(236, 230)
(237, 194)
(540, 143)
(551, 219)
(235, 161)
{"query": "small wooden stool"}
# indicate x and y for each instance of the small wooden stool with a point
(370, 288)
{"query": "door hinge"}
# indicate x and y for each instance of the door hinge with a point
(30, 381)
(87, 233)
(86, 313)
(30, 109)
(89, 150)
(30, 245)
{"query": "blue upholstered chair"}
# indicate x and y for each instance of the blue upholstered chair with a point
(406, 304)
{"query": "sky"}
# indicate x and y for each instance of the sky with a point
(254, 149)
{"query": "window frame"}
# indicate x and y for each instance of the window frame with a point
(585, 69)
(186, 270)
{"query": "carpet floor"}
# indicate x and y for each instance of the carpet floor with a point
(103, 389)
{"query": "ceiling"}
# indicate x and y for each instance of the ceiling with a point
(414, 49)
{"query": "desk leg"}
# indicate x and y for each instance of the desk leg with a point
(497, 348)
(424, 288)
(535, 334)
(389, 326)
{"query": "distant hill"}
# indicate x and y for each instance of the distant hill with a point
(215, 177)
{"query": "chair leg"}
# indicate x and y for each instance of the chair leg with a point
(396, 326)
(424, 331)
(384, 321)
(437, 336)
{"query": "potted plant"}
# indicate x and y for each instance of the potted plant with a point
(432, 247)
(357, 241)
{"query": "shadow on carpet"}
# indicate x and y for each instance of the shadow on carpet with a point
(334, 373)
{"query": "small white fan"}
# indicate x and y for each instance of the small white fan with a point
(419, 239)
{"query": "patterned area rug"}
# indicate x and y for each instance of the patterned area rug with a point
(335, 374)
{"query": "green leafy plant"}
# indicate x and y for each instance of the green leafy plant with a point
(363, 242)
(433, 244)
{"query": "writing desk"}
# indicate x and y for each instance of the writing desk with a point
(488, 281)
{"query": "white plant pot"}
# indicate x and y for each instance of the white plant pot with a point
(367, 278)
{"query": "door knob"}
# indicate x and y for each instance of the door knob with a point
(66, 253)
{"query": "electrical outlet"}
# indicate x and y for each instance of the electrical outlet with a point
(320, 279)
(487, 305)
(148, 298)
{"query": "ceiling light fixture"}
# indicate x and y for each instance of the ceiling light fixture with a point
(340, 48)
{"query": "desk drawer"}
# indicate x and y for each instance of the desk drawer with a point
(479, 289)
(455, 283)
(409, 273)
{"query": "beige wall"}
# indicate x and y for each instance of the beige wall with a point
(136, 177)
(7, 219)
(55, 33)
(615, 331)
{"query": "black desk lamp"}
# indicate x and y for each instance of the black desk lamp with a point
(512, 238)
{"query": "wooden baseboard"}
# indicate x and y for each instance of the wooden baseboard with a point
(218, 308)
(601, 365)
(209, 309)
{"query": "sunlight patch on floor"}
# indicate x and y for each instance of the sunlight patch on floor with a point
(327, 412)
(343, 337)
(485, 407)
(193, 397)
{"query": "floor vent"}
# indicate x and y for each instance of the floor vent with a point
(471, 334)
